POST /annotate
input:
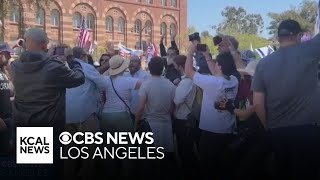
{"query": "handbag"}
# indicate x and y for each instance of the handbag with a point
(132, 116)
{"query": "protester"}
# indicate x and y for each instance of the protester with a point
(156, 104)
(6, 121)
(170, 72)
(104, 64)
(137, 72)
(185, 94)
(217, 126)
(199, 57)
(83, 119)
(40, 82)
(286, 99)
(116, 115)
(90, 60)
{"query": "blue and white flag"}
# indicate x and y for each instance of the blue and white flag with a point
(265, 51)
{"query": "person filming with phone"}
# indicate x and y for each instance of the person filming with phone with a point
(199, 57)
(217, 125)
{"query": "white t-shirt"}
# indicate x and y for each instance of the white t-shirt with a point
(123, 86)
(214, 87)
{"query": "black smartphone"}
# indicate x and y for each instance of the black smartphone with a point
(202, 47)
(59, 51)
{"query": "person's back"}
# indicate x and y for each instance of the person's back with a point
(39, 98)
(294, 100)
(160, 93)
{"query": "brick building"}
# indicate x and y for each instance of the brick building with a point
(109, 21)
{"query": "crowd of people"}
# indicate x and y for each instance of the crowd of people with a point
(224, 116)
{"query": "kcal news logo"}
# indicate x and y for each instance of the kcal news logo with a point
(34, 145)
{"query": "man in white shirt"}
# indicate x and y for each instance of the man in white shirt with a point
(217, 126)
(184, 97)
(137, 72)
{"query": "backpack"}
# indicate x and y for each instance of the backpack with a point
(193, 118)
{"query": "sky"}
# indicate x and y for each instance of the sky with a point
(204, 13)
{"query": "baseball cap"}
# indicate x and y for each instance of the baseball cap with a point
(289, 28)
(4, 47)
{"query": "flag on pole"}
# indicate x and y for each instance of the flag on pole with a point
(265, 51)
(152, 51)
(317, 25)
(84, 35)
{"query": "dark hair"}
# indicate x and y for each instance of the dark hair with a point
(225, 60)
(90, 59)
(180, 60)
(175, 49)
(78, 52)
(102, 56)
(156, 66)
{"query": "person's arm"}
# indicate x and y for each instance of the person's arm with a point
(259, 90)
(210, 61)
(142, 104)
(244, 114)
(259, 104)
(98, 79)
(103, 68)
(138, 84)
(189, 62)
(236, 55)
(173, 41)
(182, 92)
(163, 51)
(63, 77)
(3, 125)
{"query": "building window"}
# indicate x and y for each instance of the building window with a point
(121, 25)
(15, 15)
(148, 27)
(164, 2)
(172, 28)
(76, 20)
(90, 21)
(149, 1)
(163, 29)
(137, 26)
(40, 17)
(109, 24)
(174, 3)
(55, 18)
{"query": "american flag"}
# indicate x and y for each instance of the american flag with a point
(122, 53)
(84, 36)
(317, 25)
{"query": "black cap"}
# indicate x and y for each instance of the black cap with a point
(289, 28)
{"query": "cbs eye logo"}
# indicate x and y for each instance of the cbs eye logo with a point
(65, 138)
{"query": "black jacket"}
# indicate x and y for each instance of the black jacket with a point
(40, 83)
(171, 72)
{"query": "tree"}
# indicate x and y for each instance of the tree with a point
(238, 20)
(205, 34)
(305, 14)
(6, 6)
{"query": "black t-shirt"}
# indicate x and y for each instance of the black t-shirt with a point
(5, 103)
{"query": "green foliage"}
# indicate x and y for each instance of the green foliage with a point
(238, 20)
(98, 52)
(305, 14)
